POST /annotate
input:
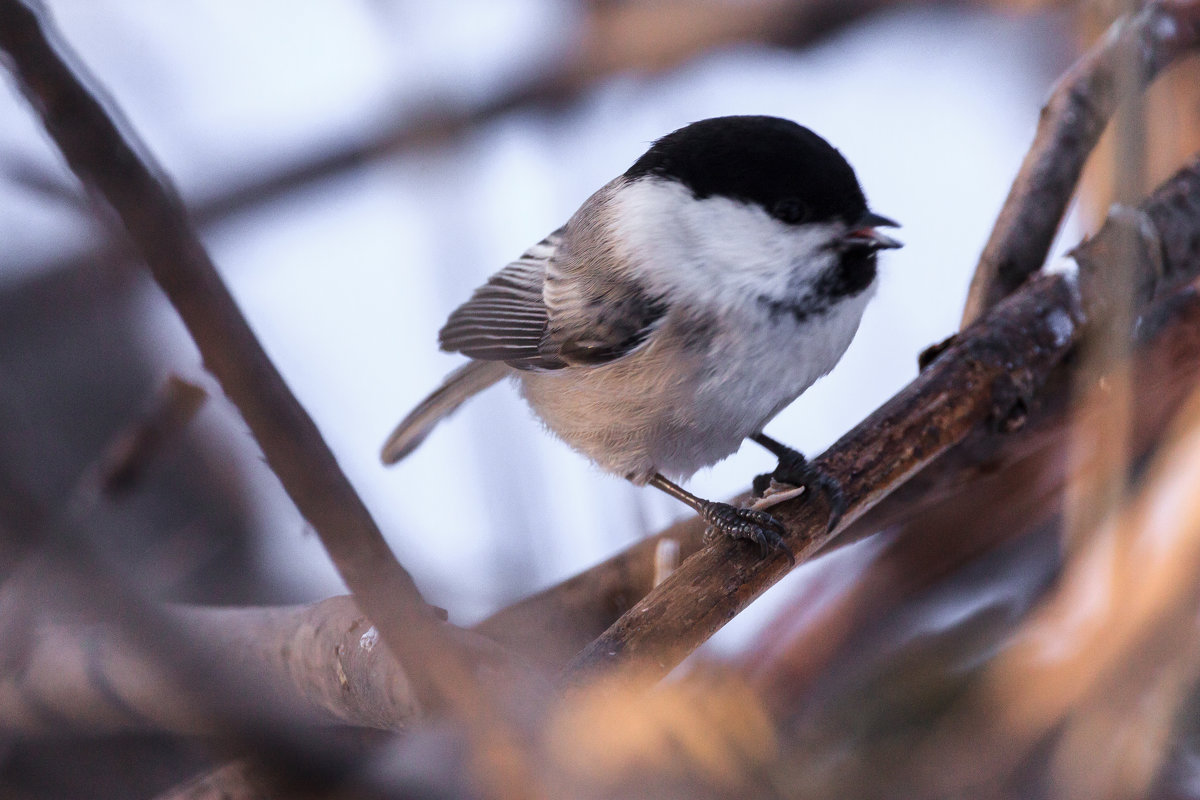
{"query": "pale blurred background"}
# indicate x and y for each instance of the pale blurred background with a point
(348, 273)
(358, 168)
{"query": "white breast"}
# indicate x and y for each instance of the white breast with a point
(722, 364)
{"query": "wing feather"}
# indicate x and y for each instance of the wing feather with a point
(548, 310)
(506, 318)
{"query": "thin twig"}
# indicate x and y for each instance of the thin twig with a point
(1071, 123)
(127, 457)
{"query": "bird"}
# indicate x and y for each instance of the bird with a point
(679, 310)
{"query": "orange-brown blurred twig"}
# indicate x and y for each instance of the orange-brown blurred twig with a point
(1108, 658)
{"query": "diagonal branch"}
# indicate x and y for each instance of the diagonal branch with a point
(989, 374)
(108, 162)
(983, 377)
(976, 497)
(1071, 123)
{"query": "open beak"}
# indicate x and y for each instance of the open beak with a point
(864, 233)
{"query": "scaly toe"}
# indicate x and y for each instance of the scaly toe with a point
(746, 523)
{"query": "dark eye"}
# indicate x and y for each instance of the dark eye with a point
(789, 210)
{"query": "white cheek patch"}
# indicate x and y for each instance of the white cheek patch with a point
(708, 248)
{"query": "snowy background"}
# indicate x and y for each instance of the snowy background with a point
(348, 280)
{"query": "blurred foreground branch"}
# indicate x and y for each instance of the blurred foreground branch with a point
(323, 660)
(1108, 661)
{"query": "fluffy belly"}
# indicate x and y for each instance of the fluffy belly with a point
(676, 409)
(633, 417)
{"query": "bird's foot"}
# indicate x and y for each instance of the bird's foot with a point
(745, 523)
(795, 470)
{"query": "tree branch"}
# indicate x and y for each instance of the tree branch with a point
(156, 221)
(976, 497)
(989, 374)
(320, 660)
(1072, 120)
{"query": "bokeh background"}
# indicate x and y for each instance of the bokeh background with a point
(357, 168)
(347, 272)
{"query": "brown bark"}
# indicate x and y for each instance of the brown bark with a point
(990, 374)
(321, 661)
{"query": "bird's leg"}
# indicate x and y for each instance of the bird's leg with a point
(739, 523)
(794, 470)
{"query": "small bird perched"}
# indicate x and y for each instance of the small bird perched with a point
(682, 307)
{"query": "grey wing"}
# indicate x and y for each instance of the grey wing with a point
(598, 320)
(534, 314)
(506, 318)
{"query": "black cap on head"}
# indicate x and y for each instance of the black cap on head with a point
(784, 167)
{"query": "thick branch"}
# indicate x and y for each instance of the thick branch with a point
(1071, 123)
(155, 219)
(976, 497)
(982, 377)
(550, 627)
(322, 661)
(989, 374)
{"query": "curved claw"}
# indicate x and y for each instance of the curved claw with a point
(796, 470)
(747, 523)
(833, 492)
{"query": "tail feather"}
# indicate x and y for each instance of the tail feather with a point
(459, 386)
